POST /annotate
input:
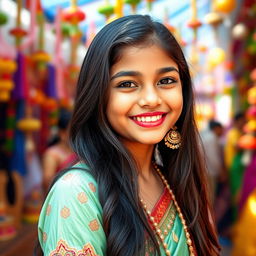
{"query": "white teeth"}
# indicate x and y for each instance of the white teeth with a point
(147, 119)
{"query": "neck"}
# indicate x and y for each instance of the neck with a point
(143, 156)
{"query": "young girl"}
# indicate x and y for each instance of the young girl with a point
(139, 187)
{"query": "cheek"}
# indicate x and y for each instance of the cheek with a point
(175, 101)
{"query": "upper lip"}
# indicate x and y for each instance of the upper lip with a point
(150, 114)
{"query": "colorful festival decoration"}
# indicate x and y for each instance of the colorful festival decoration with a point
(74, 16)
(133, 4)
(107, 10)
(248, 140)
(194, 24)
(224, 6)
(18, 32)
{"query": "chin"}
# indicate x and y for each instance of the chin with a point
(151, 141)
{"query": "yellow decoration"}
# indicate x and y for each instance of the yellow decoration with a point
(4, 96)
(41, 57)
(6, 85)
(250, 126)
(252, 95)
(213, 18)
(119, 8)
(225, 6)
(29, 124)
(215, 57)
(7, 66)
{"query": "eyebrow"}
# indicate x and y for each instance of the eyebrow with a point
(167, 69)
(135, 73)
(125, 73)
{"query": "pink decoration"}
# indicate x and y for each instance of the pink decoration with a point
(91, 33)
(58, 60)
(251, 112)
(32, 31)
(6, 50)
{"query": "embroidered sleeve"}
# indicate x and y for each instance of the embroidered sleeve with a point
(71, 218)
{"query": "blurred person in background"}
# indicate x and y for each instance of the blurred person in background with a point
(233, 159)
(213, 154)
(58, 155)
(244, 235)
(232, 137)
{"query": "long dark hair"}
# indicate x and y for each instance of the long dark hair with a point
(111, 164)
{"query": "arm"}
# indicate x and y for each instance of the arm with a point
(50, 164)
(71, 218)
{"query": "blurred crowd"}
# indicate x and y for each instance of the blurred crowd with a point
(232, 185)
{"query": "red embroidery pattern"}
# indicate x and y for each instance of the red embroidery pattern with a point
(64, 250)
(161, 206)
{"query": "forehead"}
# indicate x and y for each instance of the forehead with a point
(143, 56)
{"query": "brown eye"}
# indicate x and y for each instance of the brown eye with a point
(166, 81)
(126, 84)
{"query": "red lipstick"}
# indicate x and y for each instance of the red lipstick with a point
(145, 120)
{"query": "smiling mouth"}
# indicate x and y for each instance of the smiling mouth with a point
(149, 120)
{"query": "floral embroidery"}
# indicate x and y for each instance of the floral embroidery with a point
(65, 212)
(64, 250)
(44, 236)
(94, 225)
(92, 187)
(48, 210)
(82, 198)
(89, 250)
(68, 176)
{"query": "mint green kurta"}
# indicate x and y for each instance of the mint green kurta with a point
(71, 220)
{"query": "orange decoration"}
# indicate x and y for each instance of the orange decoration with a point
(74, 17)
(247, 141)
(18, 32)
(225, 6)
(195, 23)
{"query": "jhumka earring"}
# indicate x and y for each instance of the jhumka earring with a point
(173, 139)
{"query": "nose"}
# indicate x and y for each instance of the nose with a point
(149, 97)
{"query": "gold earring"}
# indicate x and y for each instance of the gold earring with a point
(172, 139)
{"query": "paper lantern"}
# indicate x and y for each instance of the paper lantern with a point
(7, 67)
(225, 6)
(107, 10)
(133, 4)
(29, 124)
(18, 32)
(194, 24)
(247, 141)
(213, 19)
(74, 16)
(215, 57)
(251, 112)
(252, 95)
(250, 126)
(253, 75)
(239, 31)
(3, 18)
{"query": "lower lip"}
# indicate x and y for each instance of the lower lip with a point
(150, 124)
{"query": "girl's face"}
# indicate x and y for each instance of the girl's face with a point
(145, 95)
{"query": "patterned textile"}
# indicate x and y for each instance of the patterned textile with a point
(71, 219)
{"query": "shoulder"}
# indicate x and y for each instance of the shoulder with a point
(72, 213)
(75, 180)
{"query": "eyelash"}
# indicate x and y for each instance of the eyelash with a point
(170, 81)
(122, 84)
(133, 85)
